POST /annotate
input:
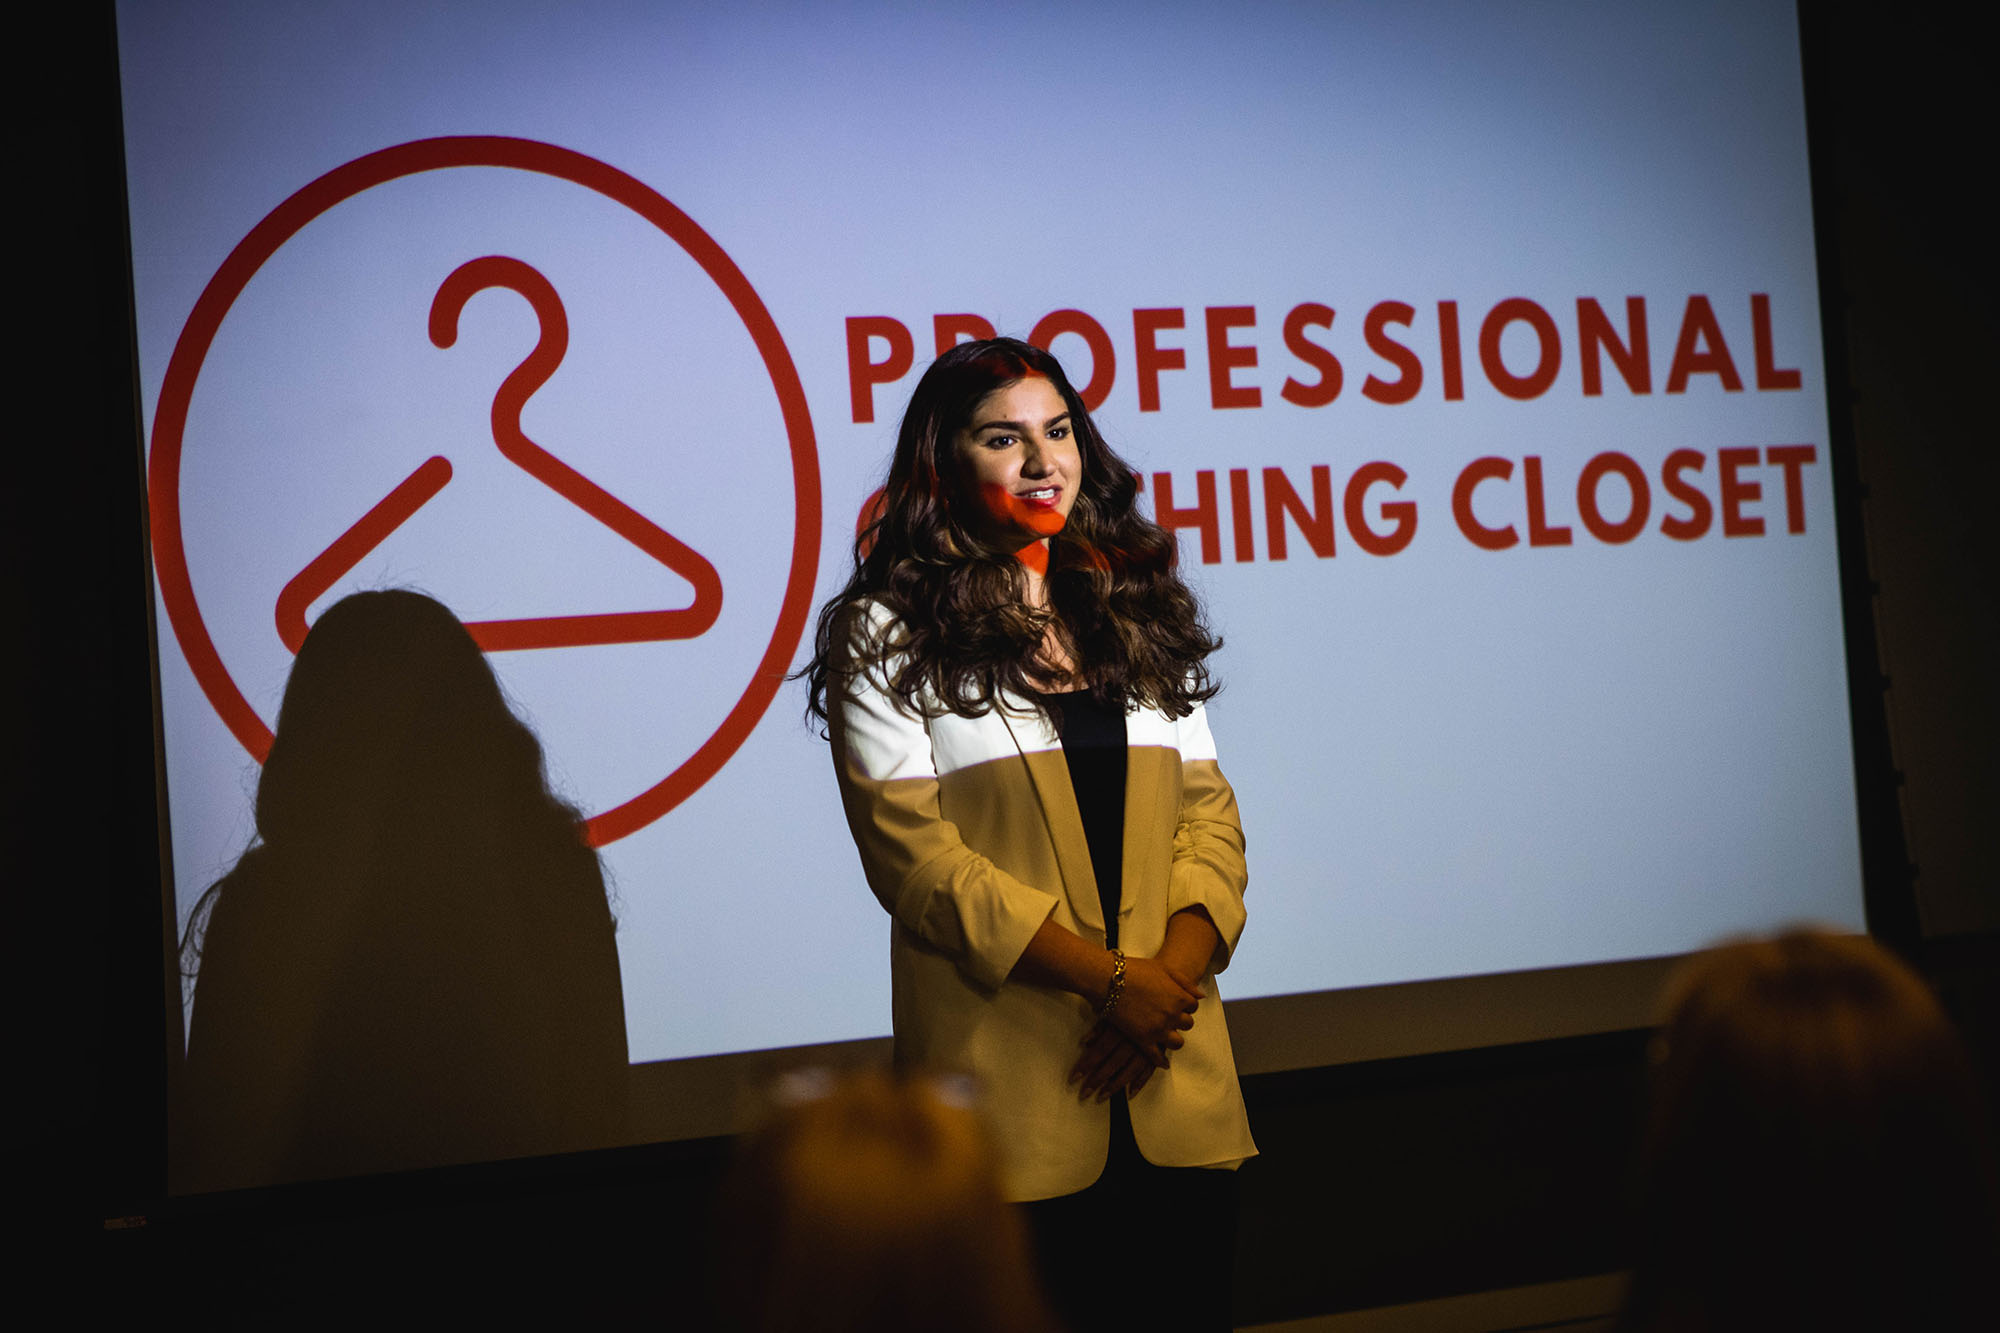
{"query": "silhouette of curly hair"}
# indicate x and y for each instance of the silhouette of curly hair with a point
(414, 962)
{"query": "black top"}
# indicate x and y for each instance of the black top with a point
(1093, 741)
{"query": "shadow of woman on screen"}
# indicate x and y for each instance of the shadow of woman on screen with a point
(413, 963)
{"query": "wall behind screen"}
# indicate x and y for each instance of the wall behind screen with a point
(1453, 760)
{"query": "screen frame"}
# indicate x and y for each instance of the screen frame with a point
(716, 1095)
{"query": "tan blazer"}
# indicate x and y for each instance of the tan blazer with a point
(969, 835)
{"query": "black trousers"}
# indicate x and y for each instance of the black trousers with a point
(1144, 1248)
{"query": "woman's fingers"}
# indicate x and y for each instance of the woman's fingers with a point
(1095, 1039)
(1103, 1040)
(1099, 1045)
(1112, 1062)
(1126, 1063)
(1113, 1073)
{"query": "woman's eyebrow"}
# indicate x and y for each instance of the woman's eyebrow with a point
(1017, 426)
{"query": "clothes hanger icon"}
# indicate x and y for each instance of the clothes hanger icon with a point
(430, 477)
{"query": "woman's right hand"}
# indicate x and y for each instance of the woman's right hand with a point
(1154, 1008)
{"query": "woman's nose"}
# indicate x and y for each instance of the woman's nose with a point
(1034, 459)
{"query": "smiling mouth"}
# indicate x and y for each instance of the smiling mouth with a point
(1044, 495)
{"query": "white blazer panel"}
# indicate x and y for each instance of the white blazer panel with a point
(969, 835)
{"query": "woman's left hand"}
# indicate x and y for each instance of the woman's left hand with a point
(1110, 1063)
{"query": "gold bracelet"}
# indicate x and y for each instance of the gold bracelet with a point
(1117, 986)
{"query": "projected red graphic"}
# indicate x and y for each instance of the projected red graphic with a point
(352, 546)
(284, 222)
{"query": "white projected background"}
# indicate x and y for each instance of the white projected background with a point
(1451, 759)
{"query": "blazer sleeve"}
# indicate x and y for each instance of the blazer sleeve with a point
(1208, 866)
(937, 888)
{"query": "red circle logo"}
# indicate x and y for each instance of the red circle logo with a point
(425, 155)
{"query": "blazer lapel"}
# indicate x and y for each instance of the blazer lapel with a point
(1042, 754)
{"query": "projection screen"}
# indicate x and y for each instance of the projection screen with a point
(1472, 350)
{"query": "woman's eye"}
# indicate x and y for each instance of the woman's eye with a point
(1059, 433)
(1000, 442)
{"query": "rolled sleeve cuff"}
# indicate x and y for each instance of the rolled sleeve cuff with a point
(1196, 885)
(979, 913)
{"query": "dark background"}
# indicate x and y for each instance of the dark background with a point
(1383, 1182)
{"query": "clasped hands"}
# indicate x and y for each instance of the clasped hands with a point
(1155, 1004)
(1124, 1047)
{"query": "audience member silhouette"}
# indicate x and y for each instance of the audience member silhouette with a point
(413, 963)
(874, 1206)
(1817, 1154)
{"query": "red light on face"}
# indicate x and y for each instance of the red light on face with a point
(1043, 518)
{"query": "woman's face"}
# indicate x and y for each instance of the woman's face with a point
(1018, 464)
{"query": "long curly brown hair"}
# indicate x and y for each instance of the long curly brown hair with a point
(962, 630)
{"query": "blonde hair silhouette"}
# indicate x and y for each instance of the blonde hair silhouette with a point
(875, 1205)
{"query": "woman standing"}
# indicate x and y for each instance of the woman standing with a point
(1013, 681)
